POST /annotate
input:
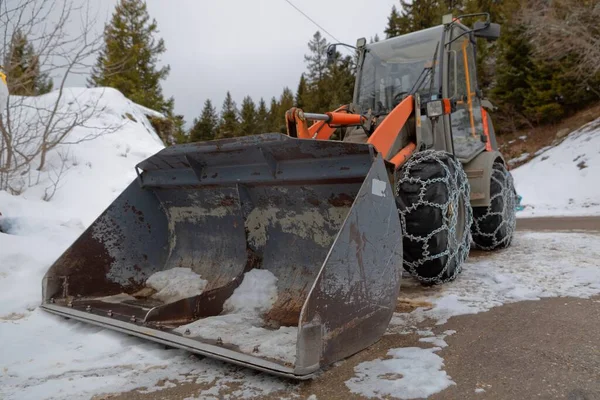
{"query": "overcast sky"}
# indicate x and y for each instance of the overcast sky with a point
(253, 47)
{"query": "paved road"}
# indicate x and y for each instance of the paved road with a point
(559, 224)
(547, 349)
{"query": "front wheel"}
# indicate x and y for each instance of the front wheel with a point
(494, 225)
(432, 194)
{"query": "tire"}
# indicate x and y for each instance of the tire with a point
(494, 226)
(432, 194)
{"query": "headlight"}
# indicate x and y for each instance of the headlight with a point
(436, 108)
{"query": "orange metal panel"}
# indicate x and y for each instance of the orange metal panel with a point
(321, 130)
(403, 155)
(486, 130)
(384, 136)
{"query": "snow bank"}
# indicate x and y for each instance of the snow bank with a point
(176, 284)
(241, 321)
(563, 180)
(99, 168)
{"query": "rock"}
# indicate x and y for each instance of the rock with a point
(562, 133)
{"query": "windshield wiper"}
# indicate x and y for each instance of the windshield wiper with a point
(427, 72)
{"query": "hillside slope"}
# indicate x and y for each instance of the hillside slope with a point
(563, 180)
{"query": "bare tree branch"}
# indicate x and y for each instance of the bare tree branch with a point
(563, 28)
(30, 127)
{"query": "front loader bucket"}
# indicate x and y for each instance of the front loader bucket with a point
(313, 224)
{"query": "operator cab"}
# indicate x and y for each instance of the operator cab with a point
(435, 63)
(396, 67)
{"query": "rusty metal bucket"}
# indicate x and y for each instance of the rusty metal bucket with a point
(319, 216)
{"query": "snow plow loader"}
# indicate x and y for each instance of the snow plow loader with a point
(284, 253)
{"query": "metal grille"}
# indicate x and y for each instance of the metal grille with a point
(459, 238)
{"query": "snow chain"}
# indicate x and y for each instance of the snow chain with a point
(507, 214)
(458, 253)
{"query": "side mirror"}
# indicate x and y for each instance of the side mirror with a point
(331, 52)
(486, 30)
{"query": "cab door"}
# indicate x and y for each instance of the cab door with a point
(466, 121)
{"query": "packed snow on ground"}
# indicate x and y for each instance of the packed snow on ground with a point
(409, 373)
(536, 265)
(241, 321)
(563, 180)
(176, 284)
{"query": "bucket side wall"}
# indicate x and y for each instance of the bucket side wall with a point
(352, 301)
(124, 246)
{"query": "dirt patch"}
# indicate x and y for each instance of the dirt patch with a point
(532, 140)
(12, 317)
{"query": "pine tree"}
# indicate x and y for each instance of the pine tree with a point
(286, 101)
(339, 82)
(22, 66)
(262, 117)
(393, 26)
(129, 58)
(317, 98)
(275, 124)
(248, 120)
(205, 127)
(229, 124)
(301, 92)
(317, 59)
(513, 70)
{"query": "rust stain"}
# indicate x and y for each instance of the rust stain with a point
(227, 201)
(314, 201)
(341, 200)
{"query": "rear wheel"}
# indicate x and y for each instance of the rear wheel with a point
(432, 193)
(494, 225)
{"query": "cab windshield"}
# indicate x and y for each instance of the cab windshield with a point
(392, 68)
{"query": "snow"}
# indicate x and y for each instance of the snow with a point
(437, 341)
(409, 373)
(149, 112)
(256, 294)
(176, 284)
(246, 332)
(542, 150)
(537, 265)
(519, 159)
(117, 298)
(563, 180)
(240, 323)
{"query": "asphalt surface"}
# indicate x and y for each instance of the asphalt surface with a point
(558, 224)
(546, 349)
